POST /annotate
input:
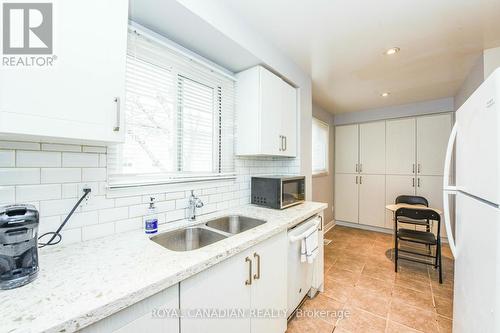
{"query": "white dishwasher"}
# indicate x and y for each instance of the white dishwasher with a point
(301, 274)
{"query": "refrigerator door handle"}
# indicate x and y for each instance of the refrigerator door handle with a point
(447, 189)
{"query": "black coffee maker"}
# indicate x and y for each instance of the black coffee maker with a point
(18, 245)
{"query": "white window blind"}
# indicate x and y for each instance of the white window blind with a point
(179, 119)
(320, 137)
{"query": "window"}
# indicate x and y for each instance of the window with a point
(320, 137)
(179, 118)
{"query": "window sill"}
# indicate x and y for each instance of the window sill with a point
(172, 185)
(320, 174)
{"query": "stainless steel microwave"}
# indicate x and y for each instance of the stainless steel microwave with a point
(278, 192)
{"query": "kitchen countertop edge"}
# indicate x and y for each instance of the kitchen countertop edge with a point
(90, 316)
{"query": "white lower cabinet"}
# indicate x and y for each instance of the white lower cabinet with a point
(254, 280)
(346, 197)
(396, 185)
(148, 315)
(360, 198)
(431, 188)
(372, 200)
(220, 287)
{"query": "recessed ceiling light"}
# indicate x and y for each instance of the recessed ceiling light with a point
(385, 94)
(392, 50)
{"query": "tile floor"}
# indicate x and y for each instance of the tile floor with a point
(364, 294)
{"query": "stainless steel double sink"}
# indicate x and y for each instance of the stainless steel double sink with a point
(192, 238)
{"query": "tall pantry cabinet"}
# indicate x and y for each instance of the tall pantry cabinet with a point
(360, 173)
(375, 162)
(419, 172)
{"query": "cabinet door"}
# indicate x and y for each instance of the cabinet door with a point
(394, 187)
(74, 98)
(432, 139)
(269, 286)
(346, 149)
(220, 287)
(431, 188)
(372, 200)
(149, 315)
(400, 148)
(372, 148)
(271, 88)
(346, 197)
(289, 120)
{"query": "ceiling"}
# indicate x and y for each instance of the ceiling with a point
(341, 43)
(174, 21)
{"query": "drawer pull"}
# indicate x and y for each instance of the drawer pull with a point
(257, 275)
(249, 281)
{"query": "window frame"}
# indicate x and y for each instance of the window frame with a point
(220, 172)
(326, 170)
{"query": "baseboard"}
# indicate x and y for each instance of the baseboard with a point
(329, 226)
(363, 226)
(372, 228)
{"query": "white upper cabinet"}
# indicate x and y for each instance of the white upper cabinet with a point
(270, 113)
(432, 139)
(80, 97)
(266, 108)
(372, 148)
(289, 121)
(400, 146)
(346, 149)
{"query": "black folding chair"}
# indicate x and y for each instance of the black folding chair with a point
(417, 236)
(414, 200)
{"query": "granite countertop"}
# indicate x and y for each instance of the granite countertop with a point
(79, 284)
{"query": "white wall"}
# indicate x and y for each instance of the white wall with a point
(51, 177)
(398, 111)
(491, 61)
(484, 66)
(322, 185)
(471, 82)
(225, 21)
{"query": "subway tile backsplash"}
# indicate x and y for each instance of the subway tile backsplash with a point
(52, 177)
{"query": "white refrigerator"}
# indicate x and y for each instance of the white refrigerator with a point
(475, 138)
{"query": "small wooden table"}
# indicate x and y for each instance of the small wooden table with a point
(394, 207)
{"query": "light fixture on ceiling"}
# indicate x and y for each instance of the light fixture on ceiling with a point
(385, 94)
(392, 50)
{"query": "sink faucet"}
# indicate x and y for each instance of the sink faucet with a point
(194, 202)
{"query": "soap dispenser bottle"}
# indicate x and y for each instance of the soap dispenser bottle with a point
(151, 220)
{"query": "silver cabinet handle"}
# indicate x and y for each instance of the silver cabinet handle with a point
(413, 182)
(281, 142)
(356, 179)
(357, 167)
(361, 167)
(286, 145)
(418, 168)
(413, 168)
(117, 125)
(360, 179)
(257, 275)
(249, 281)
(418, 182)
